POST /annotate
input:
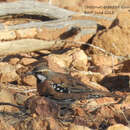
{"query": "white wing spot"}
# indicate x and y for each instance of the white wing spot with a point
(58, 88)
(61, 91)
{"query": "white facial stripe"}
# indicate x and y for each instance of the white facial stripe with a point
(41, 77)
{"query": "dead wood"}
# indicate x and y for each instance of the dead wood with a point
(28, 45)
(10, 45)
(33, 8)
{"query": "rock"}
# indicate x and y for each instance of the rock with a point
(95, 3)
(87, 109)
(116, 39)
(38, 124)
(79, 59)
(7, 96)
(82, 32)
(4, 125)
(14, 61)
(125, 66)
(60, 63)
(104, 70)
(90, 79)
(8, 72)
(51, 33)
(53, 124)
(76, 5)
(73, 5)
(90, 6)
(30, 80)
(42, 106)
(127, 114)
(11, 0)
(122, 21)
(103, 64)
(118, 127)
(92, 105)
(20, 98)
(126, 105)
(100, 60)
(102, 22)
(119, 81)
(27, 61)
(77, 127)
(2, 0)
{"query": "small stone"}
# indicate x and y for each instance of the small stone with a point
(50, 33)
(79, 59)
(100, 60)
(78, 127)
(14, 61)
(75, 57)
(27, 61)
(8, 72)
(6, 95)
(30, 80)
(118, 127)
(104, 70)
(126, 66)
(34, 115)
(119, 81)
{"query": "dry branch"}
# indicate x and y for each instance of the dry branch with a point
(33, 8)
(60, 23)
(28, 45)
(24, 45)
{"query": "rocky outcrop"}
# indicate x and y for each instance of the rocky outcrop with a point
(116, 38)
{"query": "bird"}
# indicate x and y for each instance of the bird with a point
(60, 86)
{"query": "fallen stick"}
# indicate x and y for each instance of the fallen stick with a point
(33, 8)
(28, 45)
(8, 34)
